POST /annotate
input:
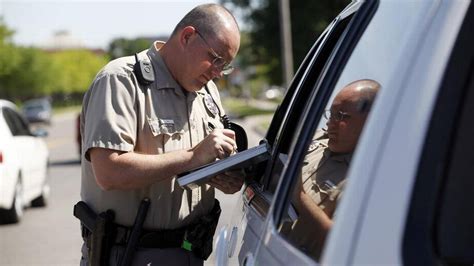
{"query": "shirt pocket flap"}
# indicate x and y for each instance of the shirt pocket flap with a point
(165, 126)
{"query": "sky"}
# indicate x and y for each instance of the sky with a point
(95, 23)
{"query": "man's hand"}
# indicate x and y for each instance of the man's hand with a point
(220, 143)
(229, 182)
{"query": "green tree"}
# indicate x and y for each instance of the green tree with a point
(39, 73)
(27, 72)
(9, 56)
(21, 69)
(308, 20)
(74, 71)
(123, 47)
(30, 75)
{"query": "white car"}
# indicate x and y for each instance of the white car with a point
(409, 198)
(23, 165)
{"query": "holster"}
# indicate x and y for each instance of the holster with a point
(98, 231)
(200, 234)
(240, 134)
(102, 239)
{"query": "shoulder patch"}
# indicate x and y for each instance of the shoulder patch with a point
(210, 105)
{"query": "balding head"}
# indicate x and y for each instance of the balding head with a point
(349, 111)
(363, 93)
(208, 32)
(212, 20)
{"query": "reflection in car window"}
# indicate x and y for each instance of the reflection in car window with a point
(322, 175)
(325, 46)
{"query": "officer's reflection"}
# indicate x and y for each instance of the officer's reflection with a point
(324, 169)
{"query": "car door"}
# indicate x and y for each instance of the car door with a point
(405, 47)
(241, 240)
(439, 222)
(9, 162)
(29, 152)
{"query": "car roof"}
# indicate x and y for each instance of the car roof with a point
(39, 101)
(6, 103)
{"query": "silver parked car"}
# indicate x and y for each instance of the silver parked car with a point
(23, 165)
(38, 110)
(409, 196)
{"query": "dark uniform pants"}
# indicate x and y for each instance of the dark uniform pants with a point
(150, 256)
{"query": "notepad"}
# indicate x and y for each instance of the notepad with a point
(241, 160)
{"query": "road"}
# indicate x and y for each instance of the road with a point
(51, 235)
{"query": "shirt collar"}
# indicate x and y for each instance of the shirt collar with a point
(163, 77)
(202, 91)
(341, 157)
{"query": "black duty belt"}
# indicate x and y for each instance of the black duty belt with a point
(196, 237)
(153, 239)
(148, 239)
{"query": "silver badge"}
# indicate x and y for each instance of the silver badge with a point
(210, 105)
(314, 144)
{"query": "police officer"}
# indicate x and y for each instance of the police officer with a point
(325, 166)
(136, 138)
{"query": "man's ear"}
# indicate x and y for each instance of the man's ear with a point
(186, 34)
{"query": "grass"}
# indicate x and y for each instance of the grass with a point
(65, 109)
(241, 108)
(265, 124)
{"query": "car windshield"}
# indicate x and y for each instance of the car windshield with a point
(35, 108)
(36, 105)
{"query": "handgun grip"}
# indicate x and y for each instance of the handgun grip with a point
(86, 215)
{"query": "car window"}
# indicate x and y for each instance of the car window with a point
(305, 85)
(16, 123)
(455, 237)
(35, 108)
(321, 177)
(284, 108)
(37, 104)
(10, 120)
(264, 181)
(454, 220)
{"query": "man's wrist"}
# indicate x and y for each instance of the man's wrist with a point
(194, 160)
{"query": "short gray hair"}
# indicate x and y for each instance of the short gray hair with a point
(206, 18)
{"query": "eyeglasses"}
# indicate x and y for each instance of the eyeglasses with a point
(218, 61)
(337, 116)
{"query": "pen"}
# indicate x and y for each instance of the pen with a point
(211, 126)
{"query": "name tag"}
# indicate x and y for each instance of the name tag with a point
(167, 122)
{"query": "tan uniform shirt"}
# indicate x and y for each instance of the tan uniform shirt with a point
(323, 177)
(120, 114)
